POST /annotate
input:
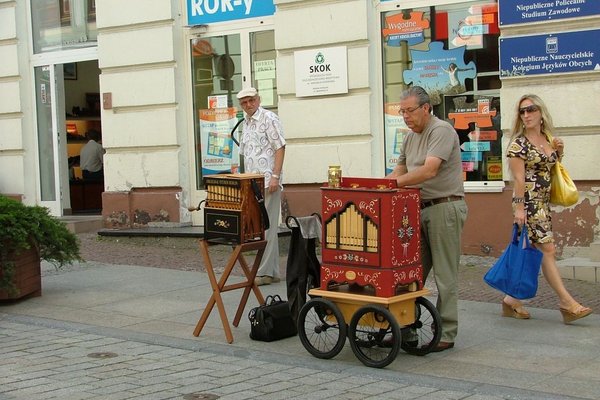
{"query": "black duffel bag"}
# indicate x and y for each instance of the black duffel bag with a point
(271, 321)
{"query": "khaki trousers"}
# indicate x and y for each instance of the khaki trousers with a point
(269, 264)
(441, 230)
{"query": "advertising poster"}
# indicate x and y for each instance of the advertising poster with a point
(395, 129)
(398, 29)
(477, 125)
(218, 150)
(494, 168)
(439, 71)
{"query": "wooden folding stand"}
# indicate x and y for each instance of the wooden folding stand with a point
(220, 286)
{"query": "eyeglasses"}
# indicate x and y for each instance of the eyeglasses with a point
(410, 110)
(529, 109)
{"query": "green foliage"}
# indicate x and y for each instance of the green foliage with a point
(24, 226)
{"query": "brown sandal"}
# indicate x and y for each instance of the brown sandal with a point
(518, 312)
(574, 313)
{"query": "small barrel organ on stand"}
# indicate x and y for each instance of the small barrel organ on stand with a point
(371, 236)
(232, 212)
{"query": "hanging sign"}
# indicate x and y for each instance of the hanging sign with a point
(202, 12)
(526, 11)
(547, 54)
(321, 72)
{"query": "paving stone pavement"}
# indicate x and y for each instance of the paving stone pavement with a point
(79, 362)
(123, 331)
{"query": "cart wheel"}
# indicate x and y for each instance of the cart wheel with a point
(321, 328)
(374, 334)
(424, 334)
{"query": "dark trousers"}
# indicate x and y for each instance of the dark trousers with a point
(303, 267)
(92, 176)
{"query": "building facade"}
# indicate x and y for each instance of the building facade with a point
(158, 78)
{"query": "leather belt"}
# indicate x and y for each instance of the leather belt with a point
(433, 202)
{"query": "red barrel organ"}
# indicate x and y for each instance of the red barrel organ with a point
(371, 236)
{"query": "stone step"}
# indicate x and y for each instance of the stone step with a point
(82, 223)
(580, 268)
(592, 252)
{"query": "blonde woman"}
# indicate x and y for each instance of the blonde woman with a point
(531, 156)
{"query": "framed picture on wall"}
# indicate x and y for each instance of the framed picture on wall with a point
(70, 71)
(91, 11)
(65, 12)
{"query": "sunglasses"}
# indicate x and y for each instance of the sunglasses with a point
(530, 109)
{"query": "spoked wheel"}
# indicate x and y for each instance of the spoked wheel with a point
(321, 328)
(420, 337)
(374, 334)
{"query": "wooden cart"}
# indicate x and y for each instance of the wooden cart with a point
(371, 276)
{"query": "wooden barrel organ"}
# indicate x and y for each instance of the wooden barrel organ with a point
(231, 212)
(371, 236)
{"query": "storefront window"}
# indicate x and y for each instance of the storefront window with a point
(218, 73)
(451, 51)
(262, 45)
(63, 24)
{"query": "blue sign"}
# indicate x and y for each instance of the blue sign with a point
(471, 156)
(526, 11)
(550, 54)
(475, 146)
(203, 12)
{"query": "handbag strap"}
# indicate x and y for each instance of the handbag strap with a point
(515, 233)
(261, 203)
(271, 299)
(524, 239)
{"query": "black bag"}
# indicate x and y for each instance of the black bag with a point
(271, 321)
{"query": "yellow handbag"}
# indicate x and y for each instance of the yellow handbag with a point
(563, 191)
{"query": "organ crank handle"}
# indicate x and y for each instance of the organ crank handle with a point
(197, 208)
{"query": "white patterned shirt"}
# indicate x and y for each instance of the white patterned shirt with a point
(261, 137)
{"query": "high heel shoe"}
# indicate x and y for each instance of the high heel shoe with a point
(514, 312)
(574, 313)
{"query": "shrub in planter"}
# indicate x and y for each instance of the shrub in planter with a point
(23, 228)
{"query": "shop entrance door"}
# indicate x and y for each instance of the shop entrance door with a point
(223, 63)
(53, 179)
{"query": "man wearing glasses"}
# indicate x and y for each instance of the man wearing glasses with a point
(263, 146)
(430, 160)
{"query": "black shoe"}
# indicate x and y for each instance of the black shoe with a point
(441, 346)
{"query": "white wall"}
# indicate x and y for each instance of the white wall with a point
(144, 133)
(325, 130)
(12, 141)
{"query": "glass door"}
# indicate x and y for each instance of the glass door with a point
(51, 142)
(217, 71)
(221, 66)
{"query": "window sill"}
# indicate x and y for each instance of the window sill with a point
(484, 187)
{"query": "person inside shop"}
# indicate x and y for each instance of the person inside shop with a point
(91, 157)
(532, 152)
(430, 160)
(262, 145)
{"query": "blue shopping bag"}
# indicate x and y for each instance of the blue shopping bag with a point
(516, 271)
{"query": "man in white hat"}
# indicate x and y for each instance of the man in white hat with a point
(263, 146)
